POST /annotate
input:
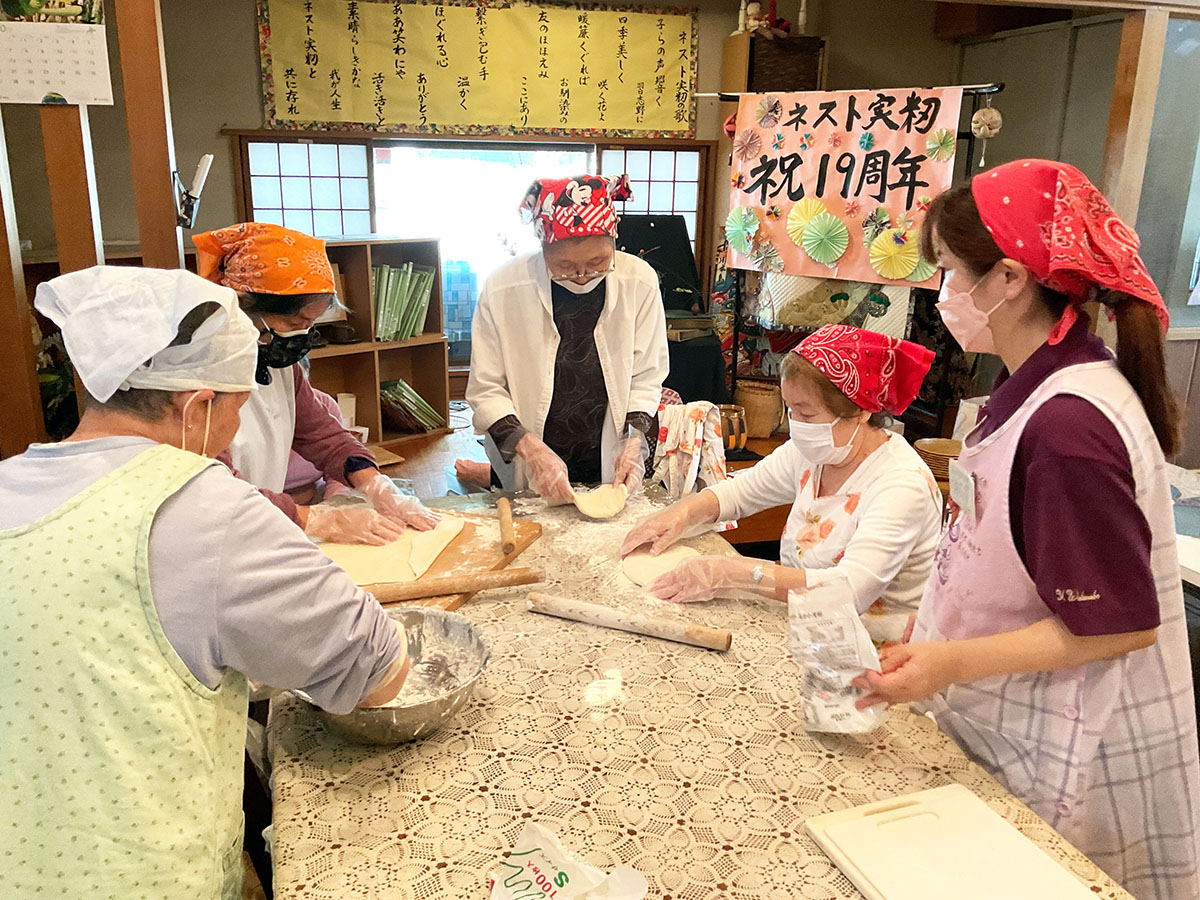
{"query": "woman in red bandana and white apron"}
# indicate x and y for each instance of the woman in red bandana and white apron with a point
(1050, 643)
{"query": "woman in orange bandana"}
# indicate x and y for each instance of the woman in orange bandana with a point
(285, 283)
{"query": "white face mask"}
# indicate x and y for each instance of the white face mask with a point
(575, 288)
(815, 442)
(966, 322)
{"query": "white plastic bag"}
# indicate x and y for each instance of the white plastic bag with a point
(540, 868)
(832, 647)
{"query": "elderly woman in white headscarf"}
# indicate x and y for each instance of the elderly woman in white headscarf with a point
(143, 585)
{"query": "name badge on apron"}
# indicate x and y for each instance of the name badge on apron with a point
(962, 490)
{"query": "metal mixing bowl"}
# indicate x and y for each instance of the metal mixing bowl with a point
(397, 724)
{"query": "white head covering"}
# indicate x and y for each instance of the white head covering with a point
(118, 323)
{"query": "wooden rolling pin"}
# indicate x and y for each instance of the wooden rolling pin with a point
(607, 617)
(508, 538)
(393, 592)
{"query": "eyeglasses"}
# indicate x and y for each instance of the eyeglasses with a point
(582, 276)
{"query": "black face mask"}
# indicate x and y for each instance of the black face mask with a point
(281, 353)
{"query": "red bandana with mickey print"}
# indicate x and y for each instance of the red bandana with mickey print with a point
(1047, 216)
(574, 207)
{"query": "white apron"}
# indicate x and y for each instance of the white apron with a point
(1106, 752)
(263, 443)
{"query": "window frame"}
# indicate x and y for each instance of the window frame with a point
(706, 190)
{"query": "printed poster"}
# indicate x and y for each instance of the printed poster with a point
(835, 184)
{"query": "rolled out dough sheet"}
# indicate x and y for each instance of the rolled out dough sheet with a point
(602, 503)
(641, 568)
(405, 559)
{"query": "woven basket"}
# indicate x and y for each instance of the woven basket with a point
(937, 453)
(790, 63)
(764, 407)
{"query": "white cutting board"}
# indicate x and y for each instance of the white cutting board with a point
(940, 844)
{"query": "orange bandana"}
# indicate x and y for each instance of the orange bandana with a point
(266, 259)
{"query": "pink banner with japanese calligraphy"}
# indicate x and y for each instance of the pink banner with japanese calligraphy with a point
(834, 184)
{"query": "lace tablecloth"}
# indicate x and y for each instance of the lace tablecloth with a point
(690, 765)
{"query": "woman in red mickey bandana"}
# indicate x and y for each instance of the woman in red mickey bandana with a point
(1050, 643)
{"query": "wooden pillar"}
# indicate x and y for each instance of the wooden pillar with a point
(21, 421)
(1127, 142)
(72, 178)
(71, 174)
(148, 119)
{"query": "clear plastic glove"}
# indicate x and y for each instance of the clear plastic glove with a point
(350, 525)
(662, 529)
(547, 473)
(630, 467)
(399, 508)
(709, 577)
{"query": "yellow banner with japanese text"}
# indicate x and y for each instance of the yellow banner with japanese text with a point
(478, 68)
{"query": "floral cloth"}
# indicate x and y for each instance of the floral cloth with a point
(574, 207)
(1048, 216)
(690, 455)
(264, 258)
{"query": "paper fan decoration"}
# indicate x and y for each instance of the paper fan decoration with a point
(923, 272)
(800, 216)
(940, 144)
(825, 238)
(874, 224)
(894, 253)
(747, 144)
(764, 255)
(768, 112)
(740, 227)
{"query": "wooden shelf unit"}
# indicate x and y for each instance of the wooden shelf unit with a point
(361, 367)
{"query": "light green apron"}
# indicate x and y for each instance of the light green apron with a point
(122, 773)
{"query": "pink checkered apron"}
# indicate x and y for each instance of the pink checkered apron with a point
(1107, 752)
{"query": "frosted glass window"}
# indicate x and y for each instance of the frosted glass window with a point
(355, 194)
(264, 191)
(326, 194)
(356, 222)
(299, 219)
(662, 195)
(685, 195)
(327, 222)
(637, 164)
(296, 193)
(264, 159)
(353, 158)
(687, 165)
(323, 159)
(662, 165)
(293, 159)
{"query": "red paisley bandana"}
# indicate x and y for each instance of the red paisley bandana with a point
(875, 371)
(1049, 217)
(574, 207)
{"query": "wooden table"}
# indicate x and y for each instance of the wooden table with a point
(691, 765)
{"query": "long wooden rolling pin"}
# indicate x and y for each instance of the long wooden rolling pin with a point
(393, 592)
(508, 537)
(607, 617)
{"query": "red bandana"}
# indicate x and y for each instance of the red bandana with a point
(875, 371)
(574, 207)
(1049, 217)
(269, 259)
